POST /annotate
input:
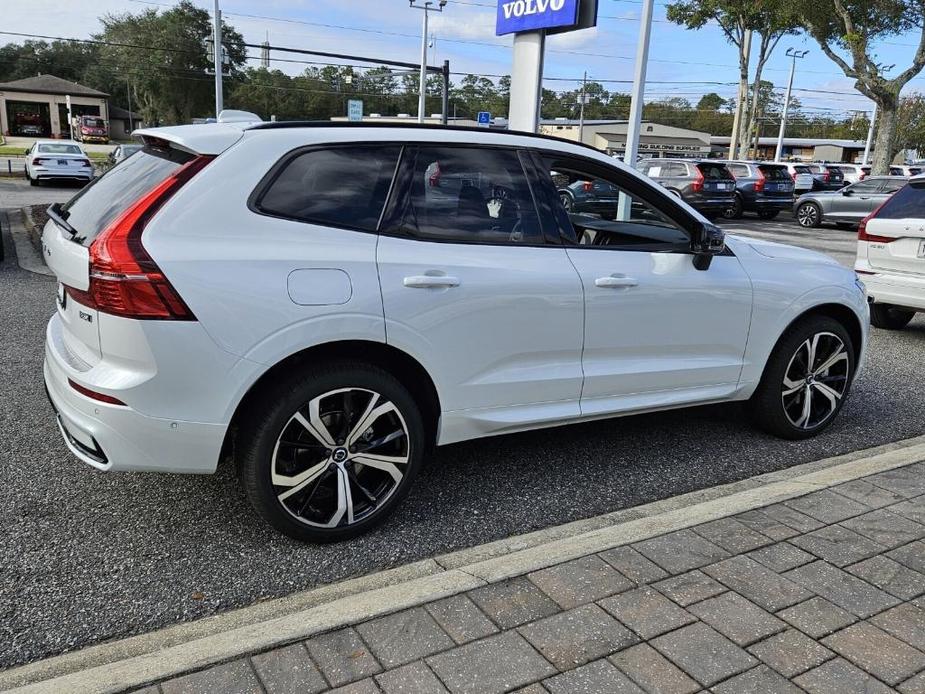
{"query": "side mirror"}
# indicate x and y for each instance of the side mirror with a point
(27, 150)
(707, 241)
(845, 191)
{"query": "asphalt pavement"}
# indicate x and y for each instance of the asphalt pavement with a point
(88, 556)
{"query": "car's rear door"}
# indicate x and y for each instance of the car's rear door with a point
(479, 292)
(896, 234)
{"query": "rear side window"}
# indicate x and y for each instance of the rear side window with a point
(738, 170)
(775, 173)
(891, 185)
(337, 186)
(714, 172)
(97, 206)
(470, 194)
(907, 203)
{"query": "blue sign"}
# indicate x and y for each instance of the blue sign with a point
(529, 15)
(355, 109)
(484, 119)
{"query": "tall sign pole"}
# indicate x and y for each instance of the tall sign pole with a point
(531, 22)
(783, 118)
(217, 58)
(870, 136)
(639, 84)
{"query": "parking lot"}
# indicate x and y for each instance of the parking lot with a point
(90, 556)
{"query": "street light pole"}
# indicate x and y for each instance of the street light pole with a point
(793, 54)
(217, 58)
(581, 111)
(427, 6)
(870, 135)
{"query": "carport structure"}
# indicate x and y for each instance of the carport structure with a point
(42, 101)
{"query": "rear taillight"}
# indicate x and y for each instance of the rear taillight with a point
(84, 162)
(102, 397)
(872, 238)
(587, 186)
(697, 185)
(759, 184)
(826, 176)
(39, 161)
(794, 176)
(124, 280)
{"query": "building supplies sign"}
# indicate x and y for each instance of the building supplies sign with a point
(515, 16)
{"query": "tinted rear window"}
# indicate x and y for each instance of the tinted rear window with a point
(802, 169)
(906, 203)
(714, 171)
(97, 206)
(338, 186)
(775, 173)
(59, 149)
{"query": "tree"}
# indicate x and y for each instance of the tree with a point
(739, 19)
(910, 128)
(162, 58)
(846, 31)
(65, 59)
(711, 102)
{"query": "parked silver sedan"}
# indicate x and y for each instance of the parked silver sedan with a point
(848, 206)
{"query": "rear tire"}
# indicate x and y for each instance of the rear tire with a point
(330, 451)
(888, 317)
(768, 214)
(734, 212)
(814, 360)
(33, 181)
(567, 202)
(808, 215)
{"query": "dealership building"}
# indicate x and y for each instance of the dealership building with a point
(800, 149)
(655, 140)
(38, 105)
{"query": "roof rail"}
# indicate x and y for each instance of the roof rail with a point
(282, 125)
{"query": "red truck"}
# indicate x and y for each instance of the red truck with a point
(90, 129)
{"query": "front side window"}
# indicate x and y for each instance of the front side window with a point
(868, 186)
(336, 186)
(473, 195)
(625, 220)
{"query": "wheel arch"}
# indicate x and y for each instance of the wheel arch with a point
(839, 312)
(403, 366)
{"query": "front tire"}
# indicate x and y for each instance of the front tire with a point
(888, 317)
(806, 380)
(808, 215)
(329, 452)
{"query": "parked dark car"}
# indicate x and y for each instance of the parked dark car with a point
(594, 197)
(764, 188)
(848, 206)
(705, 185)
(827, 176)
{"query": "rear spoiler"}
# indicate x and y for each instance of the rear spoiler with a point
(207, 138)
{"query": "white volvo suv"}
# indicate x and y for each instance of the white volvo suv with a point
(323, 303)
(891, 256)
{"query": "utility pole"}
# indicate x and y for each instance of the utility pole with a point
(639, 88)
(128, 94)
(217, 57)
(740, 101)
(581, 111)
(427, 6)
(870, 135)
(794, 54)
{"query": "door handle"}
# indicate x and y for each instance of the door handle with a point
(616, 281)
(431, 281)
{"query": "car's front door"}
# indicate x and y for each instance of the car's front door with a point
(858, 200)
(658, 331)
(477, 287)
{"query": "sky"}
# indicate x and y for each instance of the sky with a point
(681, 62)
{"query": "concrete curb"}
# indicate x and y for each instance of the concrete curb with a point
(133, 662)
(28, 258)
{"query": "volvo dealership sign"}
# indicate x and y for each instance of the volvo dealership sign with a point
(554, 16)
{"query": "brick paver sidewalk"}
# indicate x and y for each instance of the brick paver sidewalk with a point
(823, 593)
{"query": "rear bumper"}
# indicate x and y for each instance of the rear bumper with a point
(762, 203)
(907, 291)
(40, 173)
(713, 202)
(118, 438)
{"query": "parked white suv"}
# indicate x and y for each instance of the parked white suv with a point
(891, 256)
(325, 302)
